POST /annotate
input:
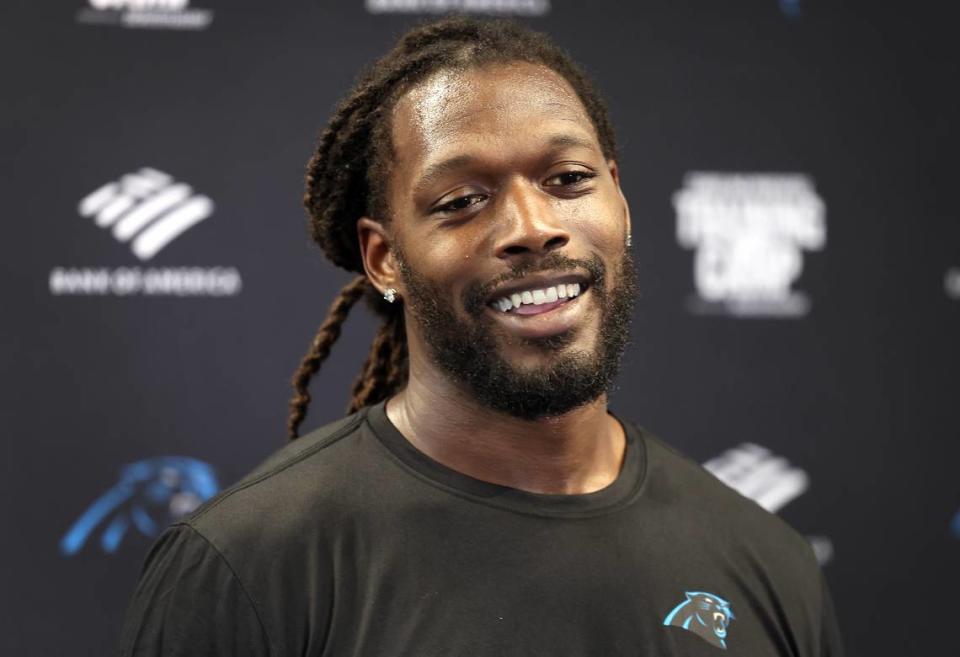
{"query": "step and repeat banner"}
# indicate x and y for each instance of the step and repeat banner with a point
(791, 169)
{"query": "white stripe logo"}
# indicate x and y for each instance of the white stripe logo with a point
(753, 471)
(147, 207)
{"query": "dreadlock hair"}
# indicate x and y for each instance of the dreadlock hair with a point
(346, 177)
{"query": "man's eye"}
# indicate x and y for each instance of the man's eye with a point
(568, 178)
(458, 204)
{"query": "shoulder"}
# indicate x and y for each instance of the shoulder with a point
(188, 601)
(720, 513)
(295, 489)
(264, 545)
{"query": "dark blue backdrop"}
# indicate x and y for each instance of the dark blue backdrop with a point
(798, 326)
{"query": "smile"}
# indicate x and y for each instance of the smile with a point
(537, 300)
(541, 305)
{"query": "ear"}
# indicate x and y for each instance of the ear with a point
(615, 174)
(377, 255)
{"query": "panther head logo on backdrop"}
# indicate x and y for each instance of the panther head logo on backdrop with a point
(150, 494)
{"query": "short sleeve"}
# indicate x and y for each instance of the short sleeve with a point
(831, 645)
(189, 602)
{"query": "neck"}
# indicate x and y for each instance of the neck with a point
(578, 452)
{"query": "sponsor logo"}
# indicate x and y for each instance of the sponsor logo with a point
(755, 472)
(148, 210)
(516, 7)
(748, 231)
(769, 480)
(145, 14)
(951, 282)
(162, 281)
(705, 614)
(149, 496)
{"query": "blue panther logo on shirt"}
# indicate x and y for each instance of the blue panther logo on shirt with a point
(705, 614)
(150, 494)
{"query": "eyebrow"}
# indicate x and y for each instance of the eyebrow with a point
(438, 170)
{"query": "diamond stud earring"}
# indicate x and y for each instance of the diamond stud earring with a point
(390, 295)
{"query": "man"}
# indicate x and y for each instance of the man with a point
(480, 499)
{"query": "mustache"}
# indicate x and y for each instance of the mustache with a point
(476, 295)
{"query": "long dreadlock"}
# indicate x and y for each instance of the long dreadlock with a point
(347, 174)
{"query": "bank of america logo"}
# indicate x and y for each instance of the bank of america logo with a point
(148, 209)
(753, 471)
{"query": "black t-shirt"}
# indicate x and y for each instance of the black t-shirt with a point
(350, 541)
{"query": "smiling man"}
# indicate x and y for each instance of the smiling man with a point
(479, 499)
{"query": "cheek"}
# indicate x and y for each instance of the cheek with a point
(452, 252)
(599, 221)
(440, 260)
(448, 256)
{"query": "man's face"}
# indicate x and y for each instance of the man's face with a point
(500, 194)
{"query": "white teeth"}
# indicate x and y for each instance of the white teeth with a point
(537, 297)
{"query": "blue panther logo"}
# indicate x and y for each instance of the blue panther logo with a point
(705, 614)
(150, 494)
(790, 8)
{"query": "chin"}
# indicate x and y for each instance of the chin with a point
(538, 350)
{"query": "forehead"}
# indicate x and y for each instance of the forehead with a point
(488, 106)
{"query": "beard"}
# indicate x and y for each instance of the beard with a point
(468, 351)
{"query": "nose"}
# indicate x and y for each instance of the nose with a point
(528, 223)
